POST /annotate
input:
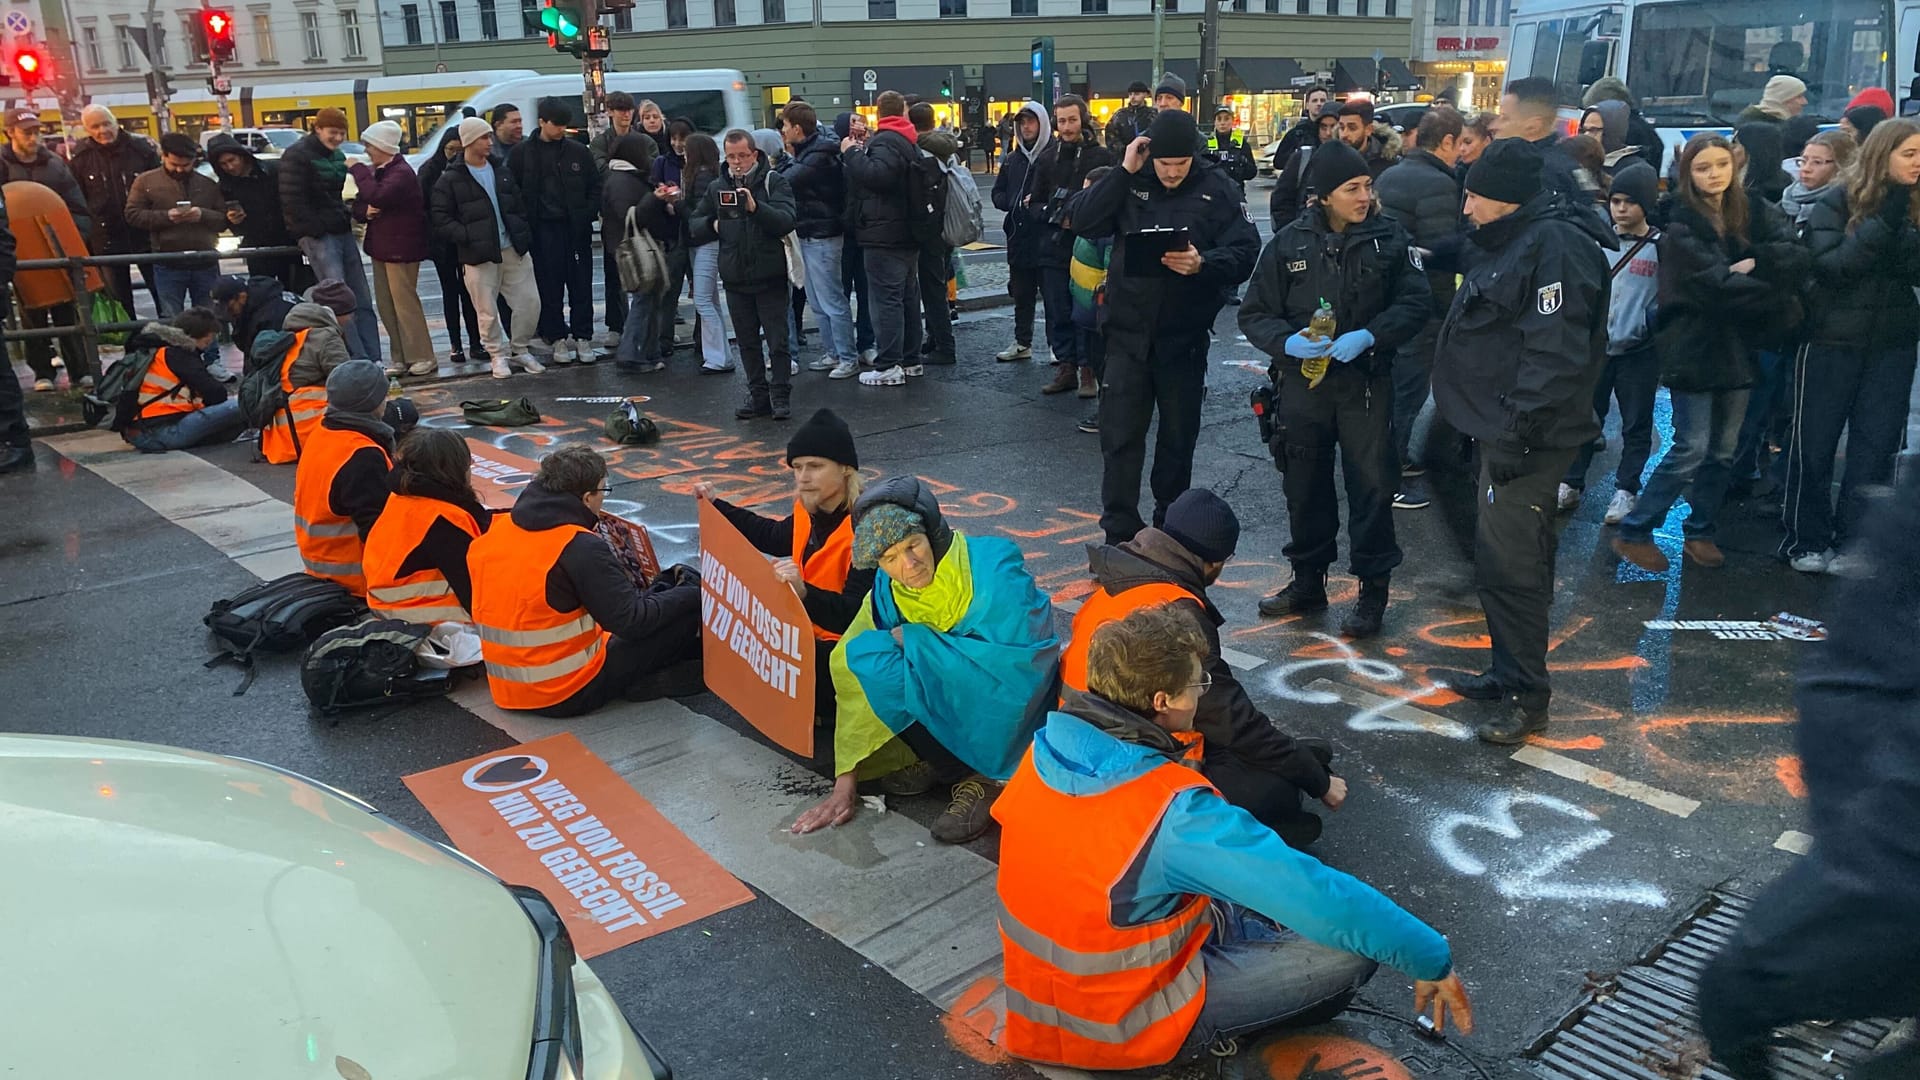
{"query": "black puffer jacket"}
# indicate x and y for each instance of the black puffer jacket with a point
(877, 190)
(1059, 173)
(311, 179)
(910, 492)
(257, 193)
(431, 170)
(1364, 272)
(558, 181)
(1710, 319)
(819, 187)
(106, 174)
(268, 303)
(1424, 195)
(752, 256)
(1861, 291)
(463, 215)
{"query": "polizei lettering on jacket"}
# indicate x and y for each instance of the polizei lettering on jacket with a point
(731, 613)
(611, 882)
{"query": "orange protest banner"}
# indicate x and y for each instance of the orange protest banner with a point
(757, 643)
(497, 475)
(551, 815)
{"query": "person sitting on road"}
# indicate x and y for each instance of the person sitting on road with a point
(180, 403)
(562, 627)
(1248, 758)
(340, 487)
(953, 659)
(813, 546)
(249, 304)
(1142, 916)
(416, 558)
(311, 346)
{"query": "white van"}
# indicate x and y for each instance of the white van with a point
(715, 99)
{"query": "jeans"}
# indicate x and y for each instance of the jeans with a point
(1706, 432)
(214, 424)
(828, 297)
(892, 273)
(1260, 975)
(1412, 385)
(1023, 284)
(1865, 391)
(636, 329)
(178, 286)
(1058, 297)
(756, 314)
(563, 271)
(338, 257)
(1763, 420)
(853, 279)
(1348, 413)
(1144, 375)
(706, 305)
(936, 267)
(1633, 377)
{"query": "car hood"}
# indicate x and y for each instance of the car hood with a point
(172, 913)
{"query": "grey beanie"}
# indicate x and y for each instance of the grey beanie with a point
(357, 387)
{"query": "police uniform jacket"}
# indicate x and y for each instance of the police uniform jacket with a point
(1366, 273)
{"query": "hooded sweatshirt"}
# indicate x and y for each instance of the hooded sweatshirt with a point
(325, 348)
(1015, 182)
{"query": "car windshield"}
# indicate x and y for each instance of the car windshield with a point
(282, 139)
(1705, 62)
(351, 147)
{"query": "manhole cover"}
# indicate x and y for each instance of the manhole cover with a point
(1641, 1025)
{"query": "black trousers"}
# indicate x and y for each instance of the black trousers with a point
(1057, 294)
(1412, 382)
(13, 411)
(1144, 376)
(1514, 548)
(934, 273)
(455, 302)
(946, 766)
(1350, 414)
(631, 664)
(563, 269)
(40, 350)
(762, 312)
(1272, 799)
(291, 271)
(678, 262)
(1023, 284)
(1633, 377)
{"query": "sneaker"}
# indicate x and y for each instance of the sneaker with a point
(565, 351)
(606, 339)
(540, 346)
(914, 370)
(1642, 553)
(1091, 425)
(1014, 352)
(1569, 498)
(390, 369)
(423, 367)
(893, 376)
(58, 363)
(868, 356)
(1813, 562)
(1620, 506)
(501, 370)
(43, 386)
(1706, 553)
(793, 367)
(1412, 494)
(942, 357)
(1848, 564)
(1512, 727)
(476, 353)
(845, 369)
(530, 365)
(970, 813)
(1306, 593)
(1411, 470)
(708, 369)
(915, 779)
(86, 382)
(825, 363)
(1472, 685)
(1089, 384)
(586, 356)
(459, 358)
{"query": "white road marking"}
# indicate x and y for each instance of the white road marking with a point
(1561, 765)
(1376, 707)
(1240, 661)
(1794, 842)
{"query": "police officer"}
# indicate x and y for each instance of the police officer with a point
(1228, 148)
(1159, 314)
(1345, 252)
(1514, 368)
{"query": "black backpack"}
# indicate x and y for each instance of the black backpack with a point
(279, 616)
(366, 664)
(927, 186)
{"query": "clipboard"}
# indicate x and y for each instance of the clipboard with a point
(1142, 250)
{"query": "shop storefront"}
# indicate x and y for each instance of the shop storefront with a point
(1471, 60)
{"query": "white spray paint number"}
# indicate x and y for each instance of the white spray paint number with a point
(1533, 877)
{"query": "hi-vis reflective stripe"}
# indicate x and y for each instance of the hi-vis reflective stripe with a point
(1163, 1005)
(344, 528)
(1160, 950)
(333, 569)
(543, 672)
(433, 614)
(394, 594)
(527, 639)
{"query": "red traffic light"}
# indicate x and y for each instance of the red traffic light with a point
(30, 66)
(218, 27)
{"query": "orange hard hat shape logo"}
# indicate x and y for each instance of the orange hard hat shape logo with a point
(1329, 1057)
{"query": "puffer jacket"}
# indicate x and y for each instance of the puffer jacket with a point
(464, 216)
(106, 175)
(1059, 173)
(752, 256)
(558, 182)
(629, 186)
(257, 193)
(267, 307)
(150, 205)
(48, 169)
(326, 346)
(398, 234)
(819, 187)
(1710, 319)
(312, 178)
(1860, 293)
(1012, 186)
(1423, 195)
(877, 179)
(431, 170)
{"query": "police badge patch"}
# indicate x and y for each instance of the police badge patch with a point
(1413, 256)
(1548, 299)
(1298, 266)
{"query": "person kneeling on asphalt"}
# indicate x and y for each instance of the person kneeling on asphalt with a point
(562, 628)
(180, 404)
(340, 485)
(953, 660)
(1248, 758)
(1344, 254)
(416, 558)
(249, 304)
(813, 546)
(1143, 917)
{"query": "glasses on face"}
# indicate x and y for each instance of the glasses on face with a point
(1205, 684)
(603, 490)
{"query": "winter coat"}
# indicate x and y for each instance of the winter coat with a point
(1304, 133)
(1059, 172)
(1526, 338)
(1860, 293)
(1232, 155)
(601, 148)
(325, 348)
(629, 186)
(558, 182)
(1424, 195)
(1173, 308)
(188, 364)
(1366, 273)
(1128, 124)
(398, 234)
(671, 228)
(819, 187)
(48, 169)
(1559, 172)
(1290, 187)
(588, 575)
(877, 179)
(257, 193)
(752, 256)
(465, 217)
(267, 307)
(1014, 183)
(1710, 319)
(106, 175)
(312, 178)
(155, 194)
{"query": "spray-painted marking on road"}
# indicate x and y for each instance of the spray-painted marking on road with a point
(1531, 871)
(1560, 765)
(1794, 842)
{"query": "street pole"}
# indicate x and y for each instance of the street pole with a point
(1209, 89)
(220, 88)
(157, 88)
(1159, 41)
(593, 73)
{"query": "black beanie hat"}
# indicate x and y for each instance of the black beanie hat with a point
(1173, 134)
(1204, 524)
(1638, 182)
(1171, 84)
(1864, 119)
(1508, 171)
(824, 435)
(1332, 164)
(1138, 86)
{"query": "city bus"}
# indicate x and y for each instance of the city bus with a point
(1693, 65)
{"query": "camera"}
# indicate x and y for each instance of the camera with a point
(729, 198)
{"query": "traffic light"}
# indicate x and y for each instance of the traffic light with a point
(946, 89)
(217, 26)
(30, 67)
(566, 25)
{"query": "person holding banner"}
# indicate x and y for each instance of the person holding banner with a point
(953, 661)
(813, 546)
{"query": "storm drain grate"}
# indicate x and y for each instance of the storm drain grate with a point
(1641, 1025)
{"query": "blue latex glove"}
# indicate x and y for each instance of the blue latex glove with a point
(1348, 346)
(1302, 347)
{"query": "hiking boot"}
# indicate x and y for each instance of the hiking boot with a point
(1413, 494)
(1704, 553)
(1642, 553)
(1513, 725)
(1620, 506)
(1013, 352)
(1307, 592)
(758, 403)
(1065, 379)
(915, 779)
(1369, 611)
(970, 814)
(1472, 685)
(782, 399)
(1089, 384)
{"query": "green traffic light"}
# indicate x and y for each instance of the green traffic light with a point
(557, 21)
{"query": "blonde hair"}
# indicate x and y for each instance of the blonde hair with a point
(1842, 144)
(1155, 650)
(1867, 182)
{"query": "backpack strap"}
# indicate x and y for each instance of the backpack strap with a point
(1652, 235)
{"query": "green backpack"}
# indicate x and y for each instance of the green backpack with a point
(500, 412)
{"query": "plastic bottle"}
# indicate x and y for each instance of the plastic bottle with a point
(1319, 328)
(393, 387)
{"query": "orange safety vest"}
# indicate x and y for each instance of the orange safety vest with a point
(291, 427)
(422, 596)
(1081, 991)
(329, 543)
(536, 657)
(1102, 608)
(162, 393)
(828, 568)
